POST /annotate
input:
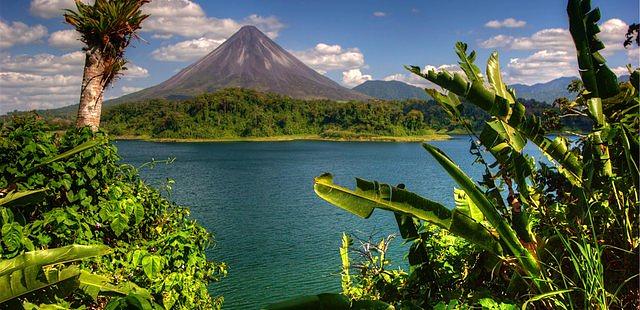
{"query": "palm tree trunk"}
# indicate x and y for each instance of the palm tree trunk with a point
(92, 92)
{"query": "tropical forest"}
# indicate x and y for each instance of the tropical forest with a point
(184, 154)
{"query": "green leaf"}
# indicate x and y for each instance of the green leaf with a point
(506, 233)
(51, 256)
(466, 205)
(328, 301)
(152, 265)
(467, 63)
(12, 236)
(597, 78)
(370, 195)
(495, 78)
(544, 296)
(22, 198)
(119, 223)
(78, 149)
(93, 285)
(27, 280)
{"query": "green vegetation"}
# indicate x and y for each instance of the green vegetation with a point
(242, 114)
(85, 205)
(565, 237)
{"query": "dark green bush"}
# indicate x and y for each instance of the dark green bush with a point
(93, 198)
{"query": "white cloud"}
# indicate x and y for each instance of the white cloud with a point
(507, 23)
(554, 53)
(186, 50)
(186, 18)
(45, 81)
(128, 89)
(620, 70)
(52, 8)
(66, 40)
(612, 35)
(44, 64)
(354, 77)
(379, 14)
(20, 33)
(542, 66)
(419, 81)
(500, 40)
(324, 57)
(134, 72)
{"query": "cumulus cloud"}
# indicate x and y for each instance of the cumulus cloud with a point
(612, 35)
(354, 77)
(52, 8)
(20, 33)
(134, 72)
(66, 40)
(186, 18)
(129, 89)
(418, 81)
(542, 66)
(553, 51)
(45, 81)
(324, 57)
(506, 23)
(379, 14)
(186, 50)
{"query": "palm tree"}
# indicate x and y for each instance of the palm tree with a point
(106, 28)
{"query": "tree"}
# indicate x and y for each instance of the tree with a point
(106, 28)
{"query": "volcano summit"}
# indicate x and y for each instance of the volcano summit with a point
(248, 59)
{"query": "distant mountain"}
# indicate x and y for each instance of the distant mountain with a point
(248, 59)
(391, 90)
(547, 92)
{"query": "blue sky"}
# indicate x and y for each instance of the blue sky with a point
(349, 41)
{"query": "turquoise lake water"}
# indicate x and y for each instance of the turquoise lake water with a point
(277, 237)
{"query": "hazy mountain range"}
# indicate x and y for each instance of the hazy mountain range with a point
(543, 92)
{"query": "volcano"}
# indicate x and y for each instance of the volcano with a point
(248, 59)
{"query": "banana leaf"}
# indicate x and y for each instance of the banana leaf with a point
(328, 301)
(22, 198)
(33, 278)
(506, 233)
(513, 114)
(47, 257)
(597, 78)
(371, 195)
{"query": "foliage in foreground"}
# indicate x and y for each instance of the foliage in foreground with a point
(92, 199)
(565, 237)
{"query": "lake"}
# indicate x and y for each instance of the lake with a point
(277, 237)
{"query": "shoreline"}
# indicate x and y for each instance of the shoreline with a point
(288, 138)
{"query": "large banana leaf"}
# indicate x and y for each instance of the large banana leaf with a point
(506, 233)
(511, 113)
(329, 302)
(22, 198)
(371, 195)
(597, 78)
(33, 278)
(47, 257)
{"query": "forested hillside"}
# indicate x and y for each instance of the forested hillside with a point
(233, 113)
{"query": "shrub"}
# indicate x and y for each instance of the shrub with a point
(93, 198)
